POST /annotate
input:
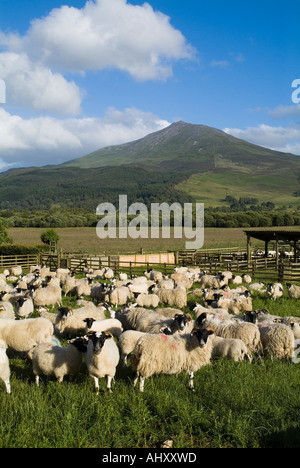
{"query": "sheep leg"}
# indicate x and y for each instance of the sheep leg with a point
(37, 380)
(7, 385)
(108, 386)
(96, 380)
(191, 381)
(124, 360)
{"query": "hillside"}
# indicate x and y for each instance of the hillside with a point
(183, 162)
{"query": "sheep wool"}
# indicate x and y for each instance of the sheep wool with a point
(278, 341)
(4, 368)
(230, 348)
(162, 354)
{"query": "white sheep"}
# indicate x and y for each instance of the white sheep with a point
(230, 348)
(155, 323)
(277, 340)
(71, 321)
(6, 310)
(147, 300)
(173, 297)
(183, 279)
(50, 359)
(257, 286)
(162, 354)
(111, 325)
(245, 331)
(48, 296)
(4, 367)
(44, 312)
(127, 342)
(118, 296)
(24, 335)
(274, 290)
(293, 291)
(102, 357)
(212, 282)
(24, 307)
(16, 270)
(246, 278)
(168, 312)
(236, 279)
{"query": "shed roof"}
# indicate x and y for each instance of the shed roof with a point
(273, 234)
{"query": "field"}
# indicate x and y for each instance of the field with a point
(234, 406)
(86, 240)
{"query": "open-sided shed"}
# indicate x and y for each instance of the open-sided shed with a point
(276, 236)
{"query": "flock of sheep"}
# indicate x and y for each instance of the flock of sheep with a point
(141, 317)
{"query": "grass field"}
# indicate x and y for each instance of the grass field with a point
(86, 240)
(234, 406)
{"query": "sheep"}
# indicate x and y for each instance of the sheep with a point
(182, 278)
(168, 312)
(4, 367)
(154, 323)
(173, 297)
(213, 282)
(147, 300)
(49, 296)
(69, 284)
(24, 335)
(293, 291)
(246, 278)
(50, 359)
(245, 331)
(277, 341)
(6, 310)
(44, 312)
(82, 288)
(71, 321)
(138, 288)
(25, 307)
(16, 270)
(111, 325)
(128, 316)
(118, 296)
(102, 357)
(274, 290)
(230, 348)
(256, 286)
(221, 313)
(162, 354)
(236, 279)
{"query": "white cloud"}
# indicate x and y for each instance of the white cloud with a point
(285, 111)
(105, 34)
(285, 139)
(37, 87)
(220, 63)
(46, 140)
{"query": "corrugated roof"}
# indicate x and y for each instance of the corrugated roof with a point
(269, 235)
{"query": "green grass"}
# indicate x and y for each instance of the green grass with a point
(234, 405)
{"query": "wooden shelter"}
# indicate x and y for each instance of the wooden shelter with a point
(276, 236)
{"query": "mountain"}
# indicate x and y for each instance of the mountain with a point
(182, 162)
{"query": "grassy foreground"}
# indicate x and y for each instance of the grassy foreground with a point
(234, 406)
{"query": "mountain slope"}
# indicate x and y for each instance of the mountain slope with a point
(181, 163)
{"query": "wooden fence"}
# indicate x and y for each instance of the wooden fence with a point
(25, 261)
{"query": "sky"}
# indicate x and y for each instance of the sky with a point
(76, 75)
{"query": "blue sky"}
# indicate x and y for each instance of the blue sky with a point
(83, 75)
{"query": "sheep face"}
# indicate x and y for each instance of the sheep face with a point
(98, 340)
(80, 343)
(202, 336)
(64, 312)
(182, 321)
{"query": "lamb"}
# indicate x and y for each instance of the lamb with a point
(24, 335)
(293, 291)
(230, 348)
(102, 357)
(274, 290)
(162, 354)
(25, 307)
(111, 325)
(71, 321)
(154, 323)
(245, 331)
(4, 367)
(147, 300)
(278, 341)
(6, 310)
(173, 297)
(50, 359)
(48, 296)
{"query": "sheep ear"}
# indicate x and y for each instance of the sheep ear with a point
(107, 335)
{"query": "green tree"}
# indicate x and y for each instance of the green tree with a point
(4, 237)
(48, 236)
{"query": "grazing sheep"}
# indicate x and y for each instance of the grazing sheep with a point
(155, 323)
(230, 348)
(147, 300)
(4, 367)
(102, 357)
(48, 296)
(24, 307)
(213, 282)
(245, 331)
(257, 286)
(111, 325)
(162, 354)
(71, 321)
(293, 291)
(24, 335)
(50, 359)
(173, 297)
(274, 290)
(278, 341)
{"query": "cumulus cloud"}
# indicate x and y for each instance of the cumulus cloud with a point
(285, 139)
(285, 111)
(105, 34)
(35, 86)
(46, 140)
